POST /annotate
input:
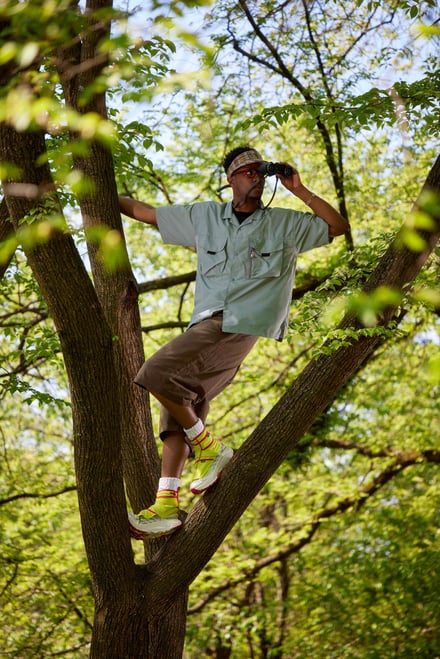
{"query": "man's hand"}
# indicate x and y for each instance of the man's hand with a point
(291, 182)
(337, 224)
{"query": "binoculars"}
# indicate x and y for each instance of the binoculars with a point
(272, 168)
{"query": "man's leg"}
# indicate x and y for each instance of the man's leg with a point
(210, 459)
(193, 368)
(211, 456)
(174, 454)
(162, 517)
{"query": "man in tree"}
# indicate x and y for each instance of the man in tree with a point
(246, 267)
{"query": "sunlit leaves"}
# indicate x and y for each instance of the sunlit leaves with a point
(433, 367)
(420, 222)
(111, 247)
(23, 56)
(141, 62)
(417, 101)
(36, 229)
(23, 110)
(428, 296)
(369, 307)
(178, 7)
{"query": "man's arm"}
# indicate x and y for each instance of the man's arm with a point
(138, 210)
(337, 224)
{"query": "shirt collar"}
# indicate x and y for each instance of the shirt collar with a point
(228, 212)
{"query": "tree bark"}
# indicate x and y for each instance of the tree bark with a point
(130, 630)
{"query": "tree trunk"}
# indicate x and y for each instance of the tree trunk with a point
(124, 624)
(100, 334)
(130, 630)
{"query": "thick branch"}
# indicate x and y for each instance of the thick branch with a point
(78, 66)
(167, 282)
(308, 530)
(36, 495)
(428, 455)
(86, 340)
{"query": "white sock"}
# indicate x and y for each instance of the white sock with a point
(195, 430)
(168, 483)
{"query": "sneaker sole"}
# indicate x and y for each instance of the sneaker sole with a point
(203, 484)
(159, 530)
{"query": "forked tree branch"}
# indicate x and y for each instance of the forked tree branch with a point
(307, 530)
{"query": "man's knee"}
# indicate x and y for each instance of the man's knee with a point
(147, 376)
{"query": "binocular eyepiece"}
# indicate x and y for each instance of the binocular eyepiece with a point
(272, 168)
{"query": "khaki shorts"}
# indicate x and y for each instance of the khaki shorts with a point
(194, 368)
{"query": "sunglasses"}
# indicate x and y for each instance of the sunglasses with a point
(250, 172)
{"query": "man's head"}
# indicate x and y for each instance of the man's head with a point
(241, 167)
(239, 157)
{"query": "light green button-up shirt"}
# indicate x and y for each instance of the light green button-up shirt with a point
(248, 269)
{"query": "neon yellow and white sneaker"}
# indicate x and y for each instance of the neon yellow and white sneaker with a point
(159, 520)
(209, 466)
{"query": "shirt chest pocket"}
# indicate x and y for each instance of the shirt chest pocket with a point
(211, 256)
(267, 259)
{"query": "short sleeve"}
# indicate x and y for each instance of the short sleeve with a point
(175, 224)
(311, 231)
